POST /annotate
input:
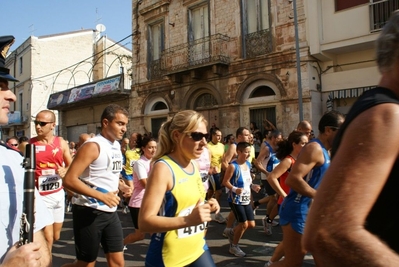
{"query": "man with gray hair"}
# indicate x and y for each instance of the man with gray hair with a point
(353, 220)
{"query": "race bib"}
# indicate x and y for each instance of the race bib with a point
(192, 230)
(243, 199)
(116, 162)
(49, 183)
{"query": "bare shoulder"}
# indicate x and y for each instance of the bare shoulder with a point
(160, 176)
(373, 131)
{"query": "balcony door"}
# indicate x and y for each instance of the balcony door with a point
(198, 34)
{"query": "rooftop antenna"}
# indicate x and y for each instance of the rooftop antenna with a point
(32, 29)
(99, 27)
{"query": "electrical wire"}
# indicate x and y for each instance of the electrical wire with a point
(82, 61)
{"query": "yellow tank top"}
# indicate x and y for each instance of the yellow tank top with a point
(217, 151)
(132, 155)
(252, 154)
(182, 246)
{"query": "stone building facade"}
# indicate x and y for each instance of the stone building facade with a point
(233, 61)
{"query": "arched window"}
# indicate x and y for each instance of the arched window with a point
(205, 101)
(159, 106)
(262, 91)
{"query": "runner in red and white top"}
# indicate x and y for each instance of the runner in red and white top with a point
(52, 160)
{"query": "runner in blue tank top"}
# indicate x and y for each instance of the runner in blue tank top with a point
(304, 179)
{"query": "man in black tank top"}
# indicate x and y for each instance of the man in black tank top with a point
(354, 219)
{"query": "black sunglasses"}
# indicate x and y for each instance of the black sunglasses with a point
(197, 136)
(42, 123)
(13, 144)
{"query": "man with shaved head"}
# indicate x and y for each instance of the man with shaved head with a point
(82, 138)
(304, 127)
(52, 160)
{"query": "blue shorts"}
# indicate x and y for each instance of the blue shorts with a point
(218, 185)
(295, 214)
(125, 176)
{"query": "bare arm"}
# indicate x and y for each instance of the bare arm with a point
(311, 155)
(279, 170)
(349, 189)
(264, 153)
(84, 157)
(268, 125)
(61, 170)
(228, 156)
(160, 181)
(226, 179)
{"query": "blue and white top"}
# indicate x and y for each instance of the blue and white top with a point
(241, 179)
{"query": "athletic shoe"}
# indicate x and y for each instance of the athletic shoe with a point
(124, 248)
(267, 226)
(219, 218)
(125, 210)
(267, 264)
(236, 251)
(229, 233)
(275, 223)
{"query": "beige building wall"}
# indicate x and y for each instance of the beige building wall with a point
(344, 43)
(58, 62)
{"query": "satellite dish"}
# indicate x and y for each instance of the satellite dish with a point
(100, 28)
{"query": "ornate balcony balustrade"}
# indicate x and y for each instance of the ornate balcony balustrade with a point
(202, 52)
(258, 43)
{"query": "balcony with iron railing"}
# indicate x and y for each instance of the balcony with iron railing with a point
(207, 51)
(380, 11)
(258, 43)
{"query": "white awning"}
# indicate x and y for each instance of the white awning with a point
(349, 93)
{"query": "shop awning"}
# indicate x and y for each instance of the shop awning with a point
(349, 93)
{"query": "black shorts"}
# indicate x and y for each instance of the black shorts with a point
(242, 212)
(269, 190)
(92, 227)
(134, 214)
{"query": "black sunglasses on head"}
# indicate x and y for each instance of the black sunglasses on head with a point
(197, 136)
(42, 123)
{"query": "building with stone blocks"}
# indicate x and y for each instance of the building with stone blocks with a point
(235, 60)
(50, 64)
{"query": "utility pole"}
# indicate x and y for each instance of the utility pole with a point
(298, 62)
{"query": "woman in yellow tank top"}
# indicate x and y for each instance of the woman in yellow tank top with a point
(173, 206)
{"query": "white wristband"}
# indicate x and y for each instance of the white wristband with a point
(234, 189)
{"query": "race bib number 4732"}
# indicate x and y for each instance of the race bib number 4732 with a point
(190, 230)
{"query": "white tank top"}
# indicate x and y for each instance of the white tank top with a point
(102, 174)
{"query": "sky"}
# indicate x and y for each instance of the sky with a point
(23, 18)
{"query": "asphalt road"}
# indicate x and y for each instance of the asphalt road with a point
(255, 243)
